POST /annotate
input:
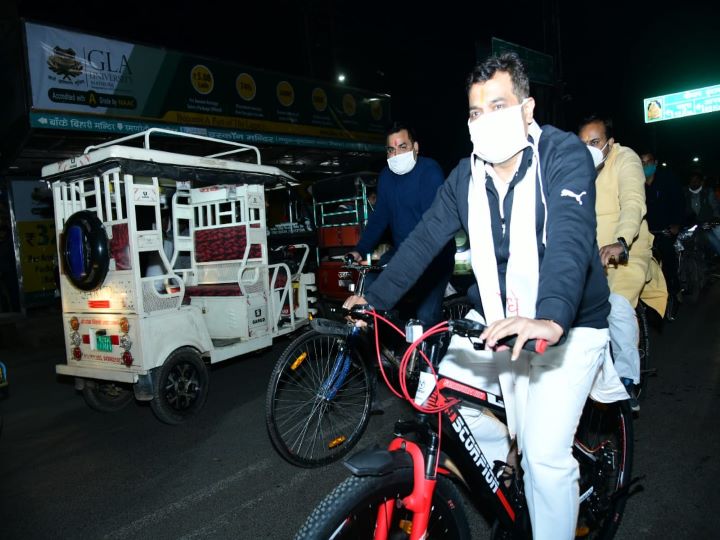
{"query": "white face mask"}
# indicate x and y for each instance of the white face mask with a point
(402, 163)
(499, 135)
(597, 155)
(695, 191)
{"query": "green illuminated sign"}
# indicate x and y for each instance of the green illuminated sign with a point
(681, 104)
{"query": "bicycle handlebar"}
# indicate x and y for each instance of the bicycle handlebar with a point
(349, 262)
(462, 327)
(470, 329)
(363, 312)
(704, 225)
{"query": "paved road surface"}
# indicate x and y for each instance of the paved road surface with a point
(69, 472)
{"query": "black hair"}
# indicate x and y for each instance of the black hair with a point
(648, 152)
(399, 126)
(604, 120)
(510, 63)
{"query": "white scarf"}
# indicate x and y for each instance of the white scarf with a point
(523, 269)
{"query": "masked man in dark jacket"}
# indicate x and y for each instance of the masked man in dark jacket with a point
(406, 189)
(526, 197)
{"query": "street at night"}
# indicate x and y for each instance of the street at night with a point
(67, 471)
(184, 186)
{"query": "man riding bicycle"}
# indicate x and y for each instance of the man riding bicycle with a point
(526, 198)
(625, 244)
(406, 189)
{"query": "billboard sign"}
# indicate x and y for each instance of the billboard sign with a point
(682, 104)
(75, 75)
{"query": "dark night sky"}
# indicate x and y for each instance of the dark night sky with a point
(611, 56)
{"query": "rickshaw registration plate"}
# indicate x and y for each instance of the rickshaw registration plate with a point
(104, 343)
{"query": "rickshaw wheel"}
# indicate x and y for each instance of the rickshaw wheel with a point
(107, 396)
(181, 388)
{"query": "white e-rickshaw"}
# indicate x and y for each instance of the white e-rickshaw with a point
(165, 269)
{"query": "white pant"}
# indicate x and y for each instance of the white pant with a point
(624, 336)
(544, 397)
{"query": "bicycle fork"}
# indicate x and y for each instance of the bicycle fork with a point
(419, 501)
(341, 367)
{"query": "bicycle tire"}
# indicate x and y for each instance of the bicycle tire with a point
(306, 430)
(604, 449)
(643, 348)
(351, 509)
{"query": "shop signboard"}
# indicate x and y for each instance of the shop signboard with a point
(89, 83)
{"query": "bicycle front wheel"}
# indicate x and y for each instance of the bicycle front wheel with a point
(350, 511)
(310, 427)
(604, 449)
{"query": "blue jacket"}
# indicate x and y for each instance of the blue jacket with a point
(573, 289)
(401, 202)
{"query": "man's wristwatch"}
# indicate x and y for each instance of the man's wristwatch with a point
(626, 252)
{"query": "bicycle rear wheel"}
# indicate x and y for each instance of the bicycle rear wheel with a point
(351, 510)
(307, 429)
(643, 347)
(604, 449)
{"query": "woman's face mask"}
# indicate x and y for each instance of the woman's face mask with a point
(649, 169)
(402, 163)
(497, 136)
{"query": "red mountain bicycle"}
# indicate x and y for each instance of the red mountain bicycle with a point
(410, 489)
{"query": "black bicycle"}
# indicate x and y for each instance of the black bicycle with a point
(691, 251)
(410, 489)
(321, 390)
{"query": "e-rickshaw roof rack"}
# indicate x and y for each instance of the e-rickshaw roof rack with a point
(146, 161)
(240, 147)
